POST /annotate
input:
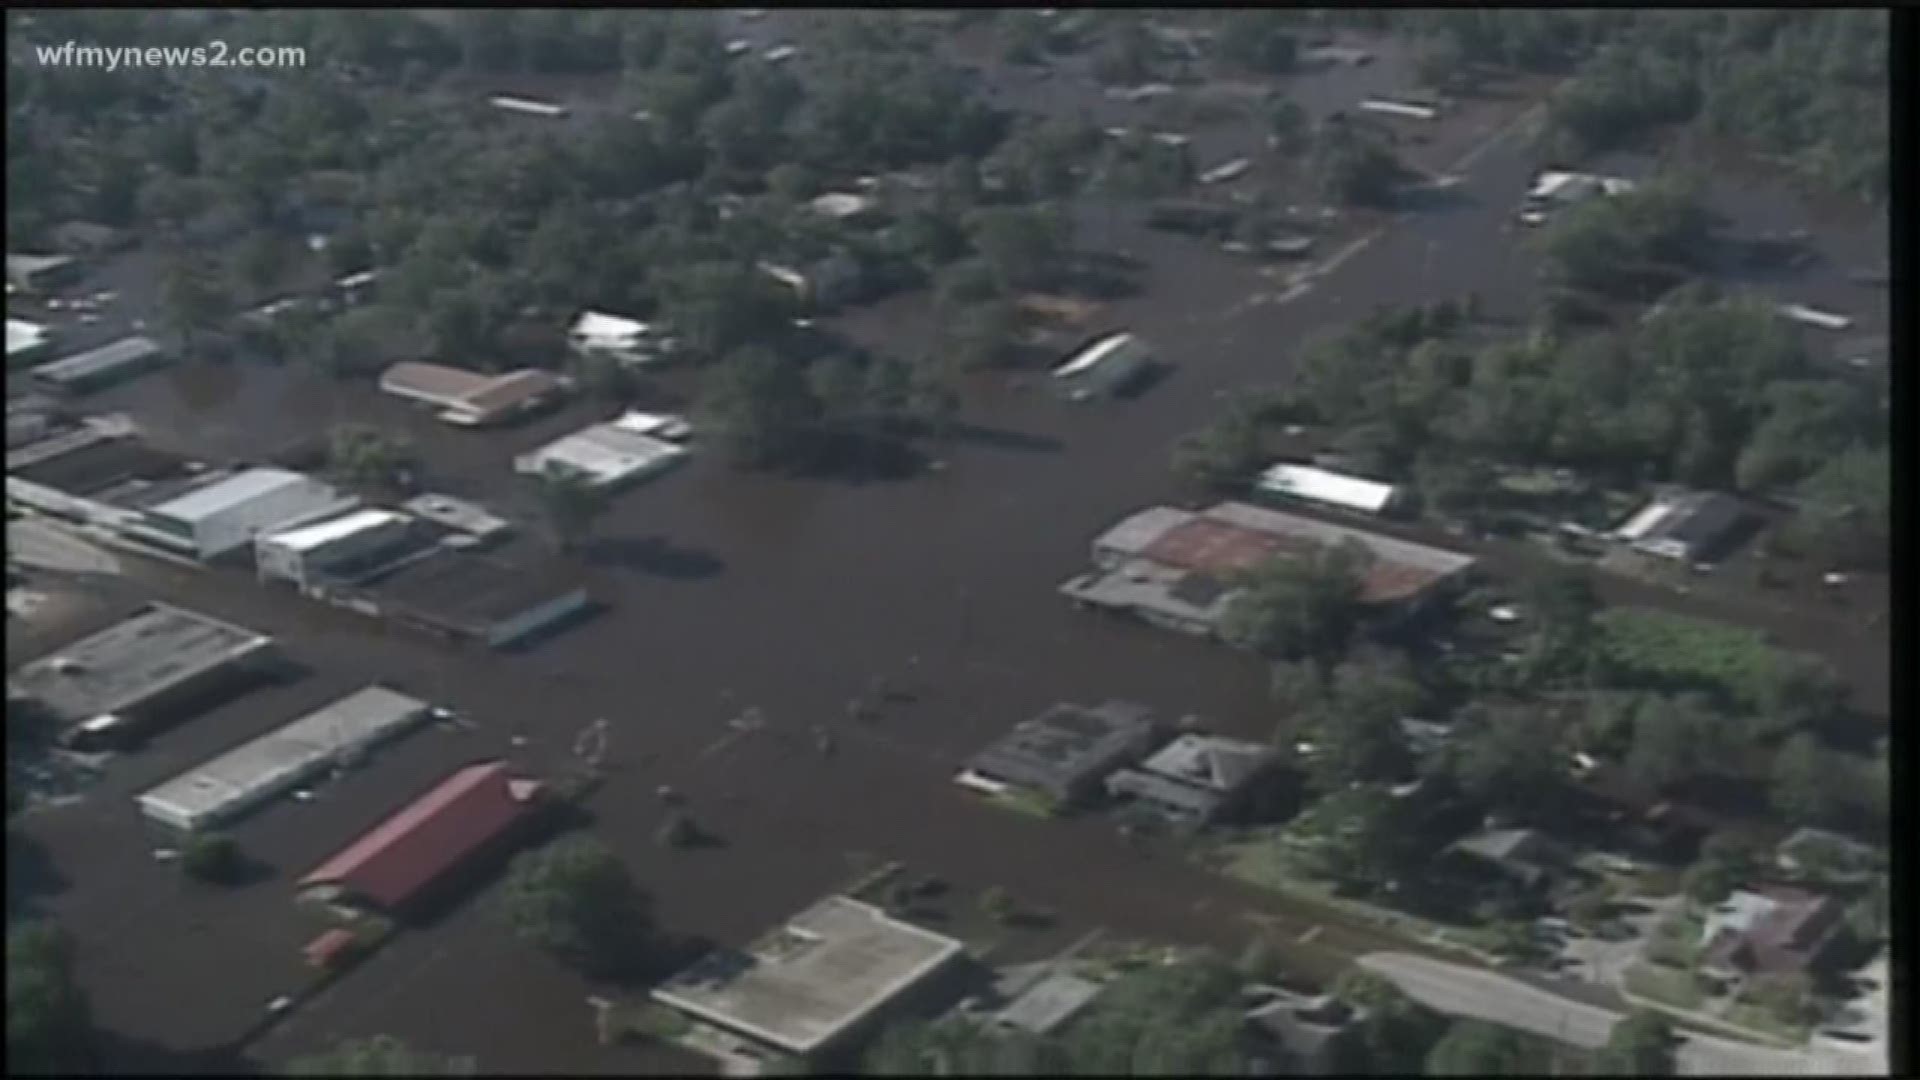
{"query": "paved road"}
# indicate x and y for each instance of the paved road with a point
(48, 546)
(1473, 993)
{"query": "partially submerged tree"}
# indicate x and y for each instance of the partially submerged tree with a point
(575, 899)
(365, 456)
(49, 1024)
(1306, 607)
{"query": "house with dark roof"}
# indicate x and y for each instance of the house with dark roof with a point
(1065, 752)
(1526, 855)
(1689, 526)
(405, 859)
(1194, 779)
(1303, 1032)
(1768, 931)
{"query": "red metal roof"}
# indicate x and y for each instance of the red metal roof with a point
(401, 856)
(1221, 548)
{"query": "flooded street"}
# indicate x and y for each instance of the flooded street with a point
(731, 591)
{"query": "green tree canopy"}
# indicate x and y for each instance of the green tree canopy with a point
(1474, 1048)
(760, 406)
(1306, 607)
(575, 899)
(49, 1025)
(571, 504)
(1641, 1044)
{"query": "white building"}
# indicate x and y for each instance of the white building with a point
(233, 511)
(606, 455)
(1103, 368)
(264, 768)
(804, 987)
(629, 341)
(655, 425)
(527, 106)
(301, 555)
(1326, 488)
(26, 341)
(1405, 110)
(1554, 190)
(844, 205)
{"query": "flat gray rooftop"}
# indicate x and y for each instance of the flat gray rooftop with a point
(283, 757)
(809, 981)
(131, 662)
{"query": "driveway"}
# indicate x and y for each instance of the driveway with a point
(1469, 993)
(1592, 959)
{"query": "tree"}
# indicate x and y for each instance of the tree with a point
(49, 1023)
(1352, 168)
(1258, 42)
(1293, 608)
(365, 456)
(1727, 861)
(1677, 738)
(1797, 693)
(839, 384)
(1288, 125)
(571, 503)
(1024, 248)
(1362, 836)
(574, 898)
(759, 406)
(1393, 1037)
(211, 858)
(381, 1055)
(1223, 456)
(982, 335)
(1356, 738)
(263, 257)
(1508, 758)
(1476, 1048)
(1810, 784)
(191, 299)
(1641, 1044)
(1180, 1019)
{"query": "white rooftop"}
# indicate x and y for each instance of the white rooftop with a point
(23, 335)
(842, 204)
(807, 982)
(604, 453)
(602, 329)
(320, 534)
(223, 495)
(1094, 355)
(1322, 485)
(658, 425)
(283, 756)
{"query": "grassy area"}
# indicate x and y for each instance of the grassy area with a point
(1261, 859)
(1672, 650)
(1677, 940)
(1760, 1019)
(1669, 986)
